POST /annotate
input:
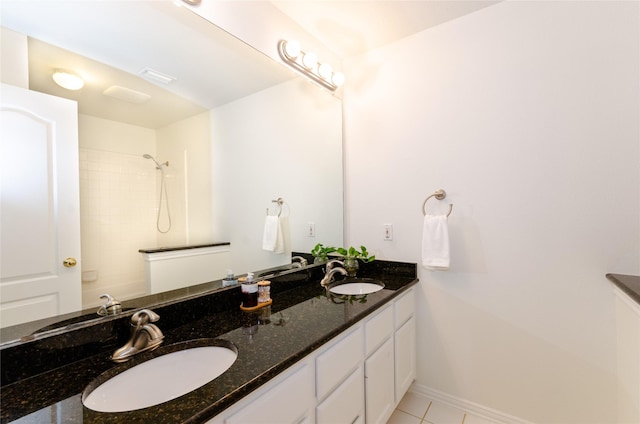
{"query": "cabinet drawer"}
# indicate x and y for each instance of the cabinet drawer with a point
(337, 362)
(346, 403)
(378, 329)
(288, 402)
(404, 308)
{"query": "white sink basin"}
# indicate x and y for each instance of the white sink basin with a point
(160, 379)
(356, 289)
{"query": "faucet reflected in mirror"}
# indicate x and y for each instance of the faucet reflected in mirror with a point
(144, 336)
(298, 262)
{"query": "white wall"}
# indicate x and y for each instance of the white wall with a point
(257, 160)
(526, 113)
(14, 66)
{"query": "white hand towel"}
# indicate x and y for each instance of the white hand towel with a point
(271, 232)
(435, 243)
(284, 236)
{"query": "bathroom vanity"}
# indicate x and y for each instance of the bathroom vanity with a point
(310, 357)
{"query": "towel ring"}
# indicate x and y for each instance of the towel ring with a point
(279, 201)
(439, 194)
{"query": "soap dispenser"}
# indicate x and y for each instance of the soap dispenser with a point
(249, 292)
(229, 280)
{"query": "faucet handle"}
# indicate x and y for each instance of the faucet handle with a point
(144, 316)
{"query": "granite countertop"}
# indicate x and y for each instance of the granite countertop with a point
(630, 284)
(301, 319)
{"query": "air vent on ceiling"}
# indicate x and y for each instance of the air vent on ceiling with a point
(152, 75)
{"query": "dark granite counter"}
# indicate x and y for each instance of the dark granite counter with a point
(44, 378)
(630, 284)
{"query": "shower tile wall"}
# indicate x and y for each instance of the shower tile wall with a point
(118, 216)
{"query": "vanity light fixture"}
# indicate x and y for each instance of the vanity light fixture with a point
(67, 79)
(307, 64)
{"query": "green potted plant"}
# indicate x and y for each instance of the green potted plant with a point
(352, 256)
(321, 253)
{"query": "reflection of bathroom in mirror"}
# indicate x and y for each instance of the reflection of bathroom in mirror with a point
(235, 128)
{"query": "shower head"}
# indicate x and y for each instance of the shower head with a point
(158, 165)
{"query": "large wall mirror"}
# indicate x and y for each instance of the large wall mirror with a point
(236, 130)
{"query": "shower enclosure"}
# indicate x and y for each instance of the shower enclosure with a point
(130, 200)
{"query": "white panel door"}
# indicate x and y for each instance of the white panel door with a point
(39, 206)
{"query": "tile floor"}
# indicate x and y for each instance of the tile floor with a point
(415, 409)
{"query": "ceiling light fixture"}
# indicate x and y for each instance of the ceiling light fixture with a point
(308, 65)
(68, 79)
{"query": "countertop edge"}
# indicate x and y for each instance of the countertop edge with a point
(629, 284)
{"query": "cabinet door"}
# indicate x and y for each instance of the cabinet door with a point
(346, 403)
(405, 357)
(379, 384)
(288, 402)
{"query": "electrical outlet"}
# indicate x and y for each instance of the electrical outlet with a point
(388, 232)
(311, 229)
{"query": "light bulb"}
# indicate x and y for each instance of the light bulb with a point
(337, 79)
(309, 60)
(292, 48)
(68, 80)
(325, 71)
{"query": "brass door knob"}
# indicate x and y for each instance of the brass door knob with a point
(70, 262)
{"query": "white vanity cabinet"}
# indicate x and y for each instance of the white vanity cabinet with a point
(346, 403)
(356, 378)
(379, 366)
(288, 399)
(379, 384)
(627, 313)
(336, 360)
(340, 379)
(404, 344)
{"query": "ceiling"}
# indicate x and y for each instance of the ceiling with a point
(203, 81)
(351, 27)
(109, 48)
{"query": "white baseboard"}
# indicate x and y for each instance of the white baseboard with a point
(465, 405)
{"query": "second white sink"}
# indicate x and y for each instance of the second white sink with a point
(356, 289)
(160, 379)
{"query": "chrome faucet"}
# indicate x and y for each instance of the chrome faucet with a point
(144, 336)
(332, 263)
(112, 307)
(328, 278)
(298, 262)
